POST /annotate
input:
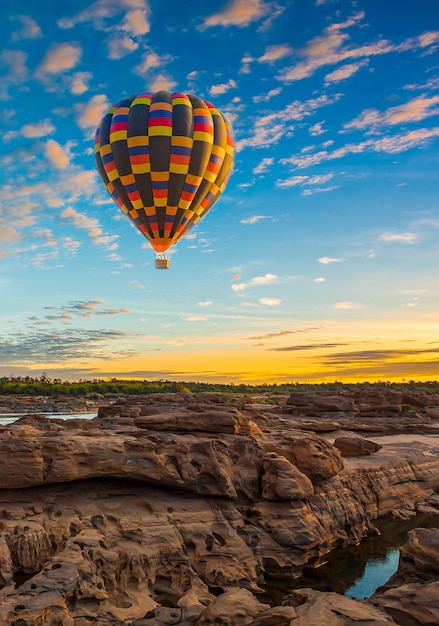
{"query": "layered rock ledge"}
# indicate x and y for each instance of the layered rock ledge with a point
(177, 508)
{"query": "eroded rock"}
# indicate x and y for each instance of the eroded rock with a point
(175, 508)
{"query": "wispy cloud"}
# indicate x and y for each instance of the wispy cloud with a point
(151, 60)
(312, 192)
(347, 306)
(334, 46)
(390, 237)
(282, 333)
(345, 71)
(254, 219)
(267, 279)
(15, 71)
(265, 97)
(195, 318)
(55, 346)
(309, 346)
(327, 260)
(391, 145)
(274, 53)
(223, 87)
(93, 228)
(29, 29)
(371, 356)
(269, 129)
(317, 179)
(135, 20)
(119, 45)
(415, 110)
(270, 301)
(263, 166)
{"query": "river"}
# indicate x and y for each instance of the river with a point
(9, 418)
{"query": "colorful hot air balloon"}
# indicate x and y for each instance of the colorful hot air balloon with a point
(165, 158)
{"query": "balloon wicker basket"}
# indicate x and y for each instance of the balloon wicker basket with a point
(162, 263)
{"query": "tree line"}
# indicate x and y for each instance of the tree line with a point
(45, 386)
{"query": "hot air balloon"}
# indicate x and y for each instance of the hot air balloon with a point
(165, 158)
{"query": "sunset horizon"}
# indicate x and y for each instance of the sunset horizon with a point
(319, 261)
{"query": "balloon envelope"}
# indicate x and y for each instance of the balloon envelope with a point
(165, 158)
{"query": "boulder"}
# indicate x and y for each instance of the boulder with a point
(356, 446)
(282, 480)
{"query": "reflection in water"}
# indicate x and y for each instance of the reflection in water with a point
(355, 571)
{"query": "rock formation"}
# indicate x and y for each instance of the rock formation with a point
(177, 508)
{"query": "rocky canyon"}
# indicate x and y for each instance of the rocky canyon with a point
(178, 508)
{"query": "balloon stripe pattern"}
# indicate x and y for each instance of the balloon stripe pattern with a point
(165, 159)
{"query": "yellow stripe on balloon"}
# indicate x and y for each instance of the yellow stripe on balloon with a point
(138, 140)
(118, 135)
(200, 135)
(160, 131)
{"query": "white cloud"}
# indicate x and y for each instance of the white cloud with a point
(136, 22)
(316, 129)
(239, 287)
(263, 165)
(222, 88)
(81, 220)
(39, 129)
(205, 303)
(91, 113)
(78, 83)
(345, 71)
(60, 57)
(312, 192)
(273, 53)
(269, 129)
(347, 305)
(264, 280)
(29, 29)
(57, 155)
(267, 96)
(238, 13)
(391, 145)
(291, 182)
(120, 45)
(327, 260)
(320, 279)
(415, 110)
(254, 219)
(195, 318)
(150, 60)
(334, 46)
(162, 81)
(14, 70)
(302, 180)
(270, 301)
(399, 237)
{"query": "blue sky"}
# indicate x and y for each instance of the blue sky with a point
(320, 260)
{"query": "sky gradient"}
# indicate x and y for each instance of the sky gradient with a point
(319, 262)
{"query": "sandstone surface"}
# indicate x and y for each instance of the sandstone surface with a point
(178, 508)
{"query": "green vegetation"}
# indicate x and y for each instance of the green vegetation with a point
(44, 386)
